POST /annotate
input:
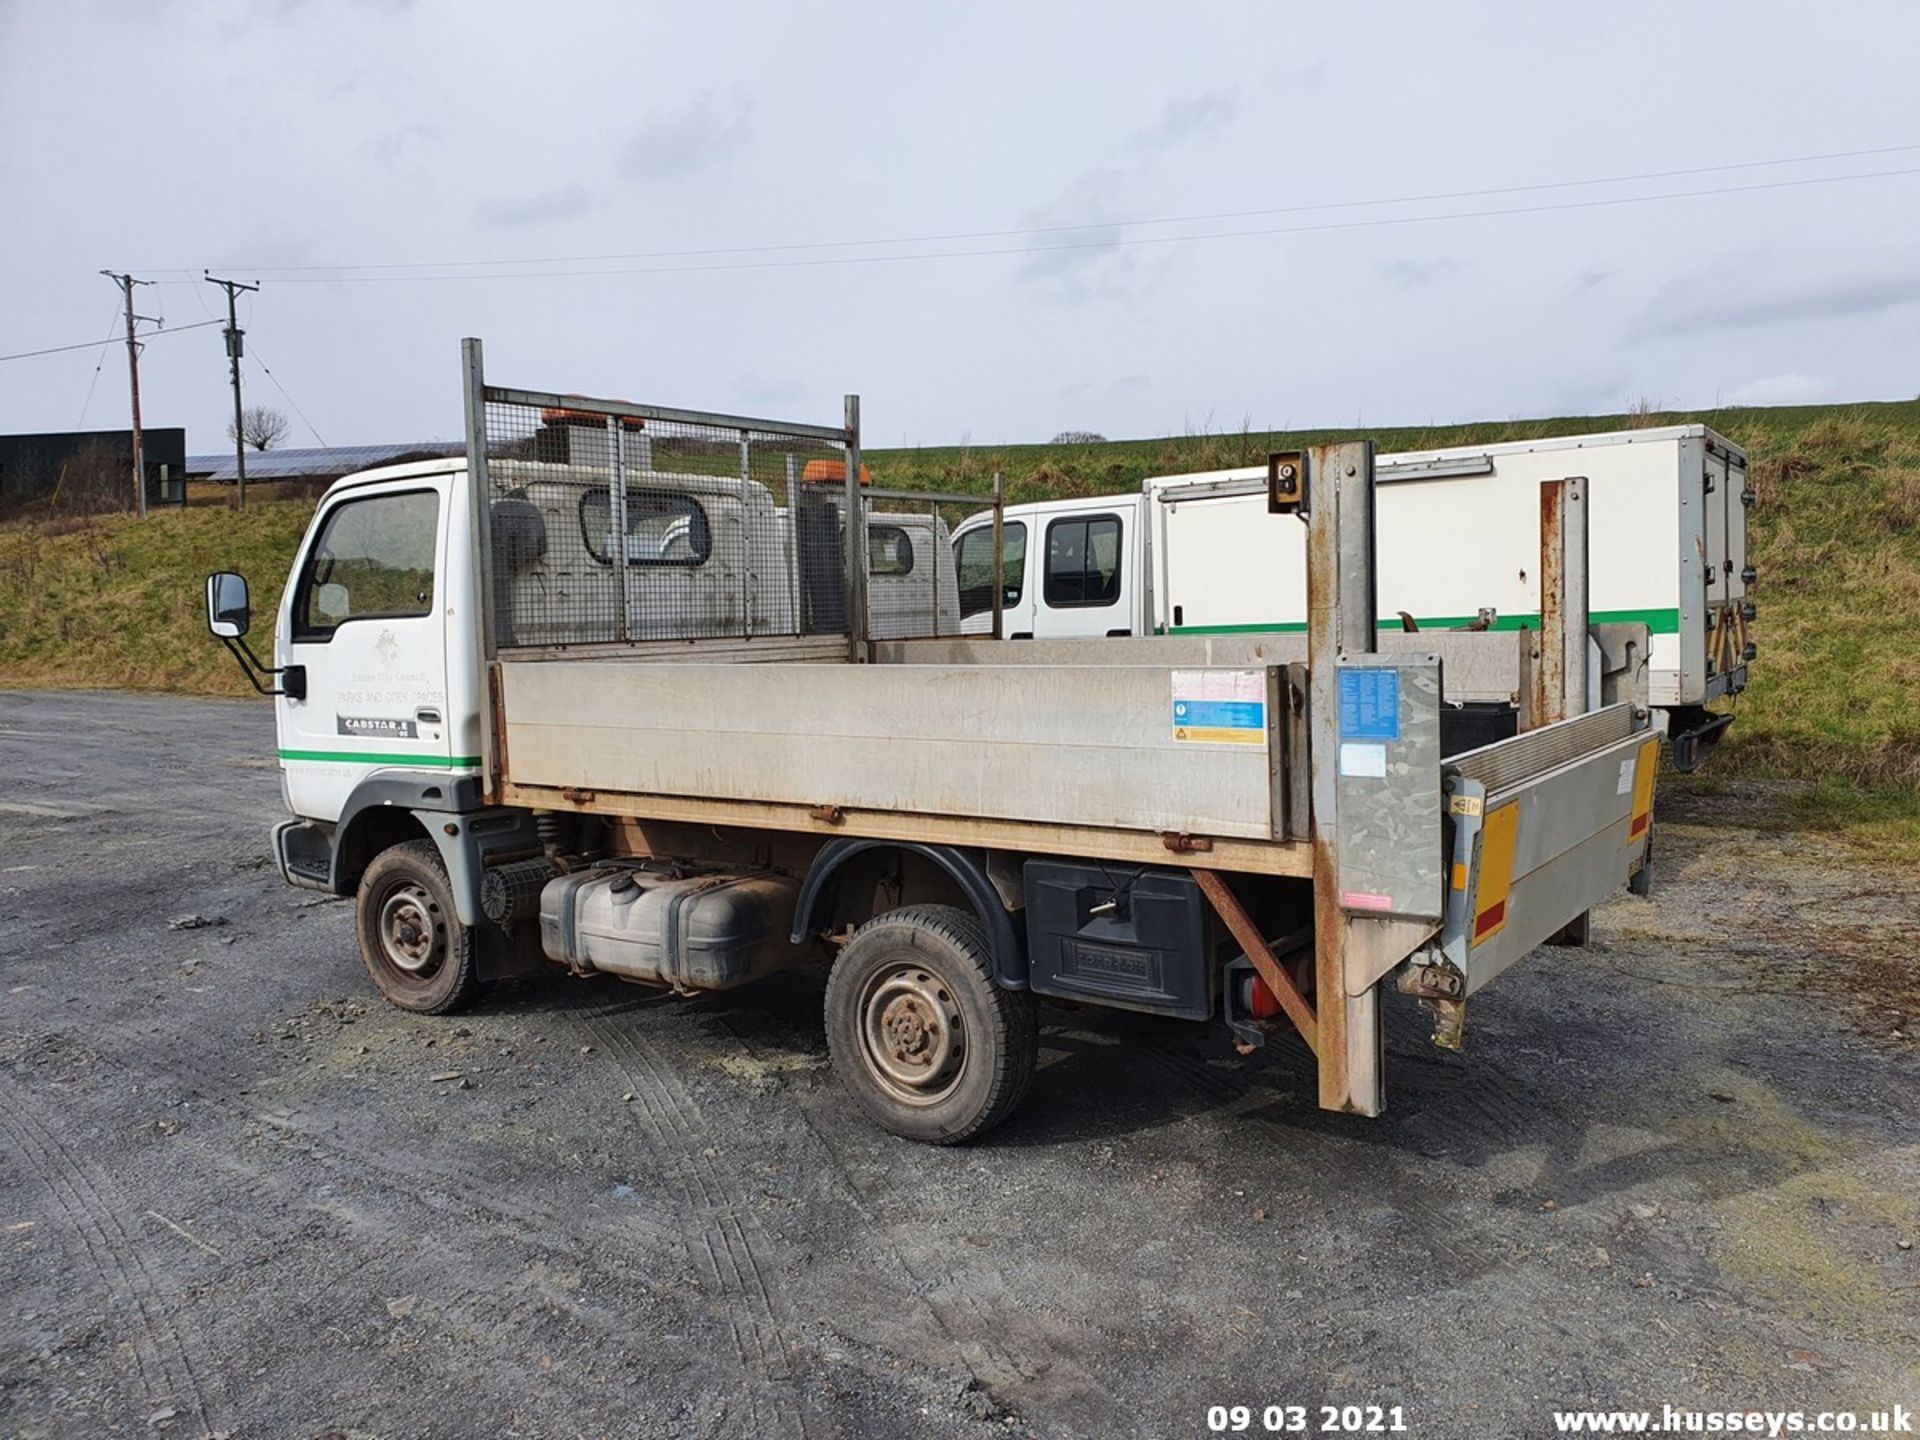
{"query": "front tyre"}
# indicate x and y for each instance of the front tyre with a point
(420, 956)
(931, 1048)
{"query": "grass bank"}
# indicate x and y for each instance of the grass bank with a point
(112, 600)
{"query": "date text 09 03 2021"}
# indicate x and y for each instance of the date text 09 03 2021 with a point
(1307, 1420)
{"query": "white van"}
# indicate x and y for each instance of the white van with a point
(1458, 535)
(1073, 569)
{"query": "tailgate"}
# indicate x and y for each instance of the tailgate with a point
(1544, 826)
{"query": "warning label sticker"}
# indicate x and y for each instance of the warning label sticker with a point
(1220, 707)
(1369, 703)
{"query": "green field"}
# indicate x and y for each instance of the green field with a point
(1834, 703)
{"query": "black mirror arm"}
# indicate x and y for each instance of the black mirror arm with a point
(293, 678)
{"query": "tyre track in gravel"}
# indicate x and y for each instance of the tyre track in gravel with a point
(161, 1338)
(371, 1146)
(985, 1340)
(357, 1153)
(1428, 1210)
(1497, 1113)
(730, 1247)
(370, 1153)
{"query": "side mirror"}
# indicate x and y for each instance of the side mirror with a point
(228, 613)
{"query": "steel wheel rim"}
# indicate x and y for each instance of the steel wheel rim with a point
(413, 939)
(912, 1037)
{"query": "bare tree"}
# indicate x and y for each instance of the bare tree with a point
(1079, 437)
(262, 427)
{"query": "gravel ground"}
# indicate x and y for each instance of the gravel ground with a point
(240, 1196)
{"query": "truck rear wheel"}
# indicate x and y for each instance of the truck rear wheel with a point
(420, 956)
(931, 1048)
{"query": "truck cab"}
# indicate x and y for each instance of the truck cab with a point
(1072, 570)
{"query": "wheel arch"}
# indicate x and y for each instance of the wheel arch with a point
(389, 809)
(824, 896)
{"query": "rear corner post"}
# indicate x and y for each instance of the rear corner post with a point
(1561, 679)
(1340, 621)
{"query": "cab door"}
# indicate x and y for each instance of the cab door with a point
(973, 568)
(365, 616)
(1084, 584)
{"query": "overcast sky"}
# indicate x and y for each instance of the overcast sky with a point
(258, 139)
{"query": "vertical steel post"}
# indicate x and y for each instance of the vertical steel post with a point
(1561, 678)
(749, 574)
(1340, 621)
(933, 540)
(856, 539)
(617, 528)
(796, 592)
(999, 556)
(480, 544)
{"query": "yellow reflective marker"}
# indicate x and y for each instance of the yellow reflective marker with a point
(1644, 768)
(1497, 838)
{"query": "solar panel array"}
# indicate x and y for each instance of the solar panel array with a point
(325, 464)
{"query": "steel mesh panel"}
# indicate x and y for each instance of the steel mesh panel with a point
(912, 586)
(609, 527)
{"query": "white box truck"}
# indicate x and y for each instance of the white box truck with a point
(1458, 545)
(621, 707)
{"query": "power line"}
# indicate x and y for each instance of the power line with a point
(1111, 242)
(88, 345)
(1135, 223)
(260, 360)
(113, 319)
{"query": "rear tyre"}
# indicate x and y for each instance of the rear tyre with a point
(1641, 881)
(420, 956)
(931, 1048)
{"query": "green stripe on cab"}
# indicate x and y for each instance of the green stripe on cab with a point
(363, 757)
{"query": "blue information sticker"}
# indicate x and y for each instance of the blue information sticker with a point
(1369, 702)
(1220, 714)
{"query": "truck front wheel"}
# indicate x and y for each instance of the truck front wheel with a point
(928, 1044)
(419, 954)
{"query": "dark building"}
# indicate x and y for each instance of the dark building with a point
(96, 462)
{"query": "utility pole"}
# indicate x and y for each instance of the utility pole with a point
(235, 344)
(126, 284)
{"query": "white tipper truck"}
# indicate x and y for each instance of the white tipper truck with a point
(1459, 544)
(606, 692)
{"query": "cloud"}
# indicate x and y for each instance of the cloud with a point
(1589, 279)
(561, 204)
(1419, 274)
(1781, 390)
(1082, 258)
(1745, 295)
(1185, 119)
(405, 146)
(679, 143)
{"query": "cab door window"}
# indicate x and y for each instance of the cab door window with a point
(974, 562)
(1083, 561)
(373, 559)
